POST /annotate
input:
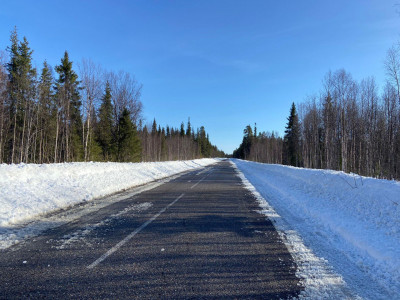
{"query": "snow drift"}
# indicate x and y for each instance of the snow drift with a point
(29, 190)
(352, 221)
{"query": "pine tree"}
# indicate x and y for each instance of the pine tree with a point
(244, 149)
(105, 126)
(128, 142)
(247, 141)
(291, 147)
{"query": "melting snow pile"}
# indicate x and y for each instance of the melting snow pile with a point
(351, 221)
(28, 190)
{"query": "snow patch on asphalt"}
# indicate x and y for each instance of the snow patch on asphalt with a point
(353, 222)
(16, 233)
(81, 234)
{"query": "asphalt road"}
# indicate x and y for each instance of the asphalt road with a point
(197, 236)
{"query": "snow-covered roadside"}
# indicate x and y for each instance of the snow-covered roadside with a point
(351, 222)
(29, 190)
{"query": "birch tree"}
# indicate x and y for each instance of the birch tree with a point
(92, 83)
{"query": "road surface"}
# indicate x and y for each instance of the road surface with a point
(197, 236)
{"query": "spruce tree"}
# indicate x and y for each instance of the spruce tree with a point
(182, 131)
(47, 115)
(189, 129)
(95, 151)
(128, 142)
(203, 141)
(163, 145)
(154, 127)
(105, 126)
(208, 146)
(291, 140)
(46, 87)
(68, 96)
(22, 92)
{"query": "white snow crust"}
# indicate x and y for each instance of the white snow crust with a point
(342, 229)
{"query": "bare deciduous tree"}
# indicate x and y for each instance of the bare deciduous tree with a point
(91, 76)
(126, 92)
(392, 65)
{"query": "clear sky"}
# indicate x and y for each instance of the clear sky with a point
(224, 64)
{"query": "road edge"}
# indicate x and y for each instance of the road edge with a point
(316, 276)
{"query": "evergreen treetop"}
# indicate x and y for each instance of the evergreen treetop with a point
(189, 128)
(105, 125)
(292, 139)
(129, 146)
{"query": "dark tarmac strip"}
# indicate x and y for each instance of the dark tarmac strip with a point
(198, 236)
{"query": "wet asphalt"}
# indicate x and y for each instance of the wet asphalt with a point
(199, 236)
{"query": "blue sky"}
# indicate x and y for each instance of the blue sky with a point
(224, 64)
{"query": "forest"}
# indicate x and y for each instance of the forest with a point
(350, 125)
(63, 114)
(84, 115)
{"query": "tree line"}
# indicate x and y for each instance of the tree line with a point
(182, 143)
(349, 125)
(89, 115)
(261, 147)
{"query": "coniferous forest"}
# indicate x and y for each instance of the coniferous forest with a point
(350, 125)
(66, 114)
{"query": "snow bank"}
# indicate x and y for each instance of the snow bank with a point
(29, 190)
(352, 221)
